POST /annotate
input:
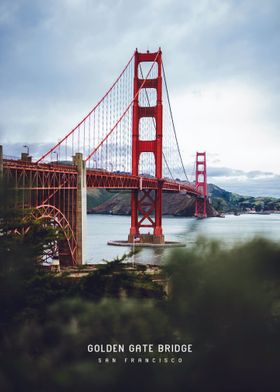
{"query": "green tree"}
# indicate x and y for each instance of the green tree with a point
(22, 243)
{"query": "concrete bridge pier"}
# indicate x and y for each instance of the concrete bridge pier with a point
(81, 208)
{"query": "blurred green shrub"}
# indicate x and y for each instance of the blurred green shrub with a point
(226, 302)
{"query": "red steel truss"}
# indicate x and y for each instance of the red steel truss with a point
(108, 180)
(51, 189)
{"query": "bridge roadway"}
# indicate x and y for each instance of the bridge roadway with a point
(49, 176)
(58, 192)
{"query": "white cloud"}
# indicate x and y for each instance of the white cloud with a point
(221, 58)
(230, 118)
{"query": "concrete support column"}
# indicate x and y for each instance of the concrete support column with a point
(81, 208)
(26, 157)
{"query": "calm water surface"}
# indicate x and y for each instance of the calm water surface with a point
(231, 229)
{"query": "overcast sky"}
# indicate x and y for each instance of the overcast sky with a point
(222, 63)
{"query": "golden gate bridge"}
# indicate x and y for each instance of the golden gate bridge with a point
(128, 141)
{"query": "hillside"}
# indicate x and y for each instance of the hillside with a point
(96, 196)
(225, 201)
(101, 201)
(177, 204)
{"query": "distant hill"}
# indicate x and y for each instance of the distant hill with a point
(104, 202)
(96, 197)
(225, 201)
(101, 201)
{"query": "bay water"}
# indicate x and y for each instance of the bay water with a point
(229, 230)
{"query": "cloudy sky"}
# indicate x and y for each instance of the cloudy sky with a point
(221, 57)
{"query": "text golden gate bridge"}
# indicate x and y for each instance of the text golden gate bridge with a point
(127, 141)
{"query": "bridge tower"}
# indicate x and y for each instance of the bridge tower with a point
(201, 185)
(146, 205)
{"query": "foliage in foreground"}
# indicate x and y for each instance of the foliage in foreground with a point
(225, 302)
(23, 240)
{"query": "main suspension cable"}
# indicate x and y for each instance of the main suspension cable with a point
(124, 113)
(173, 124)
(154, 122)
(88, 115)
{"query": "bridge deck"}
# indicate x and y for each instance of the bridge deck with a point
(99, 178)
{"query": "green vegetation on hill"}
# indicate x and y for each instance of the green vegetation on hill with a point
(118, 203)
(104, 202)
(95, 197)
(229, 202)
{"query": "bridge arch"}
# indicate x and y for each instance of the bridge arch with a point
(50, 212)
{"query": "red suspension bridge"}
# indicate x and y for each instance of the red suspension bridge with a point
(128, 141)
